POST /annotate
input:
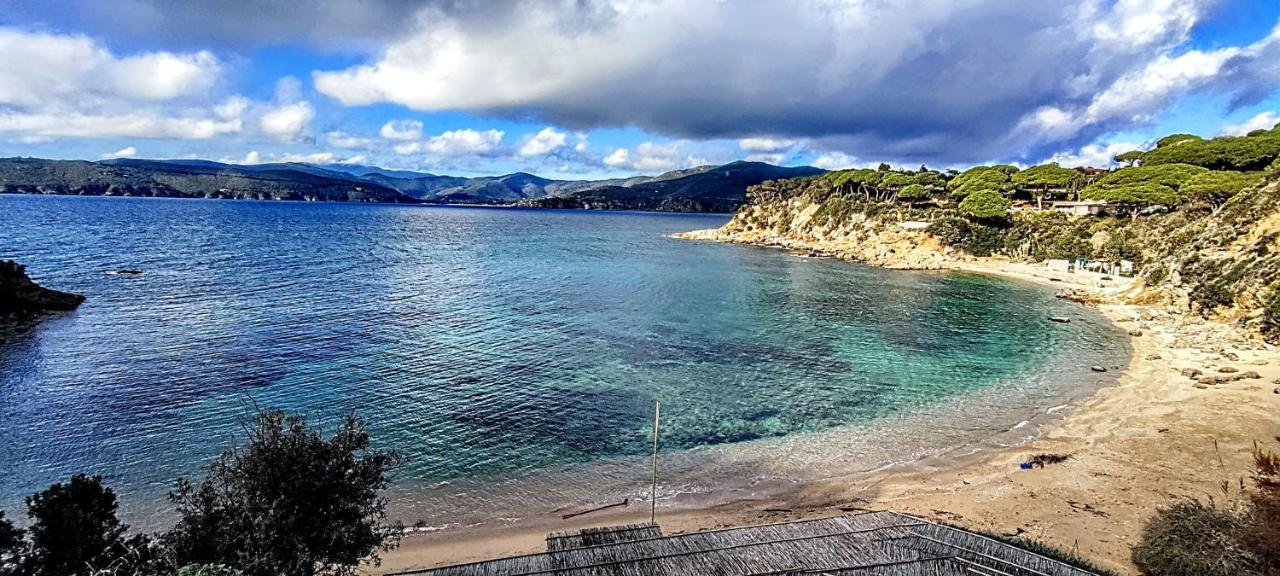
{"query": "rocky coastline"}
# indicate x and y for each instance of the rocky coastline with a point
(21, 297)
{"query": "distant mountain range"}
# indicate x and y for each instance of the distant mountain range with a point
(701, 189)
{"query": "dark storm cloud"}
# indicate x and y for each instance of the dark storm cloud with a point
(950, 81)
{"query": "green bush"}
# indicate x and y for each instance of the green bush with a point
(1271, 310)
(1263, 535)
(1191, 538)
(968, 236)
(999, 178)
(986, 204)
(1243, 153)
(1048, 551)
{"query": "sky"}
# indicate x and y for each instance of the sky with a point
(603, 88)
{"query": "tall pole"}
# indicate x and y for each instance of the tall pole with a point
(653, 491)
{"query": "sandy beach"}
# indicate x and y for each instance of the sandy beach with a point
(1156, 435)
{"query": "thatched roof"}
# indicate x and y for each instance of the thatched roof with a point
(869, 544)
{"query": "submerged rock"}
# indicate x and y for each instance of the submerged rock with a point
(1191, 372)
(1097, 368)
(20, 296)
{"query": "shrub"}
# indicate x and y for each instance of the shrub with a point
(1191, 538)
(986, 204)
(1244, 153)
(291, 503)
(1048, 551)
(1271, 310)
(999, 178)
(11, 546)
(74, 529)
(971, 237)
(1263, 536)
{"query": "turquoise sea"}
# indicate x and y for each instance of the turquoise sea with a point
(513, 356)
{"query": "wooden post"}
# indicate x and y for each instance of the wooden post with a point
(653, 490)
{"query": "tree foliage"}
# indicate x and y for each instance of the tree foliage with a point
(1216, 188)
(985, 204)
(74, 529)
(885, 185)
(11, 546)
(1243, 153)
(998, 178)
(1263, 537)
(1192, 537)
(290, 503)
(1176, 139)
(1143, 185)
(1046, 176)
(1129, 158)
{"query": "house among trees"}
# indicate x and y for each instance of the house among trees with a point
(1080, 207)
(868, 544)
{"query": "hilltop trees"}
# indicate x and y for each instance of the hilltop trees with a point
(997, 178)
(1129, 158)
(880, 185)
(1215, 188)
(985, 204)
(1047, 179)
(1143, 186)
(1242, 153)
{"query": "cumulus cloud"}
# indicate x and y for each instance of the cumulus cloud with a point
(1095, 154)
(254, 157)
(920, 79)
(546, 141)
(287, 122)
(126, 152)
(122, 125)
(1262, 121)
(55, 85)
(463, 142)
(340, 139)
(765, 144)
(39, 66)
(834, 161)
(775, 158)
(654, 157)
(618, 158)
(402, 130)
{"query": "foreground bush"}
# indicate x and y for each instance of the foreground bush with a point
(291, 503)
(1263, 537)
(1191, 538)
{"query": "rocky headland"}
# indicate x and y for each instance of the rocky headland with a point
(21, 297)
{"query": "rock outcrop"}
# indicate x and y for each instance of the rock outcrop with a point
(799, 227)
(20, 296)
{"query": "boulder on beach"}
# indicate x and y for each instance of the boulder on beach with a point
(20, 296)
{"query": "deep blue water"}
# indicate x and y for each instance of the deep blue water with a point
(486, 343)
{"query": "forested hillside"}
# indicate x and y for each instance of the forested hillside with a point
(184, 180)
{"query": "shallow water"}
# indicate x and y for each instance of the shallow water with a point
(513, 356)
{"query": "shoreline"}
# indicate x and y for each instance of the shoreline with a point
(1151, 436)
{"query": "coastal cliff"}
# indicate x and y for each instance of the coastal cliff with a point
(1219, 262)
(791, 224)
(20, 296)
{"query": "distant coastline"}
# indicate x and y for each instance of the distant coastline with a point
(713, 189)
